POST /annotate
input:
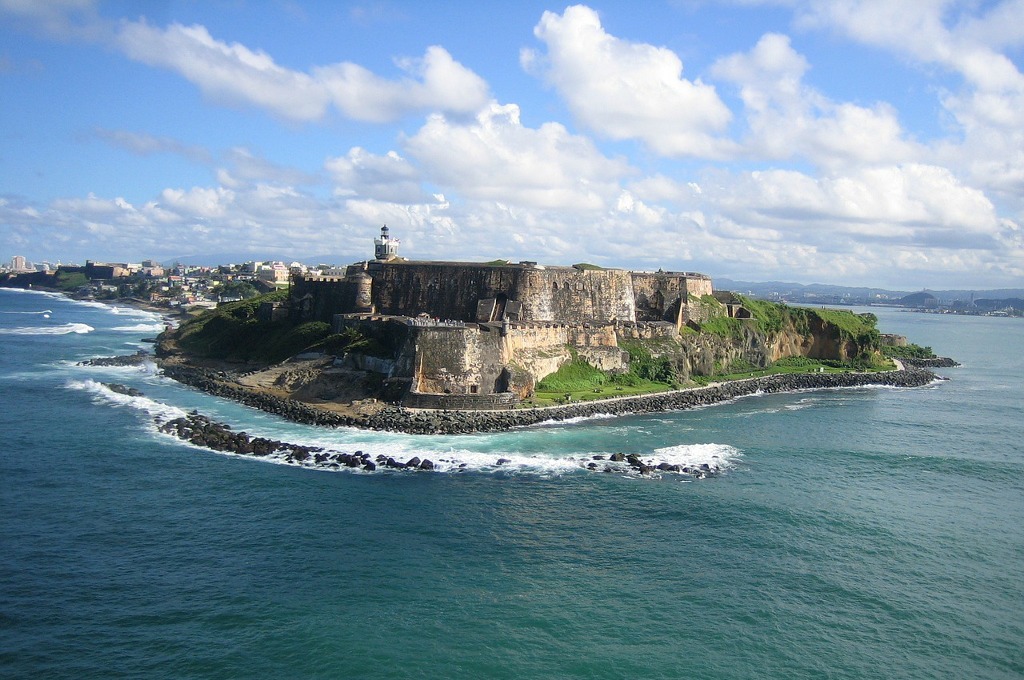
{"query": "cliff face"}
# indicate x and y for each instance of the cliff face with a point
(803, 335)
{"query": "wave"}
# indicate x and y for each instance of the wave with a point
(140, 328)
(103, 394)
(446, 459)
(64, 329)
(45, 313)
(44, 293)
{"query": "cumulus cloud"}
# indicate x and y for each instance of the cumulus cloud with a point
(440, 84)
(626, 90)
(963, 38)
(387, 177)
(233, 73)
(497, 158)
(225, 72)
(788, 119)
(915, 204)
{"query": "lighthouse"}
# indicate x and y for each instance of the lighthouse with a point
(385, 247)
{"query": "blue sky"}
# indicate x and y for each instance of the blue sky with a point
(859, 142)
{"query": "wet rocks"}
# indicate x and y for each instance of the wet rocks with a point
(136, 359)
(935, 362)
(122, 389)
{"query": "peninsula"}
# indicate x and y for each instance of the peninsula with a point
(428, 347)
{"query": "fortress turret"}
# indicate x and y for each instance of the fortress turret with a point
(385, 247)
(364, 293)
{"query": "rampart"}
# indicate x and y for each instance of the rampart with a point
(492, 329)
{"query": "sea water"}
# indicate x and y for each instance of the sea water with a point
(862, 533)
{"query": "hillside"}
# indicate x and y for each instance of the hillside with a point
(775, 338)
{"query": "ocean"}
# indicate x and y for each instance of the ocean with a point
(860, 533)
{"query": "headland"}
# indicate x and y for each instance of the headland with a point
(454, 347)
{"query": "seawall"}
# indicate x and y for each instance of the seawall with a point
(411, 421)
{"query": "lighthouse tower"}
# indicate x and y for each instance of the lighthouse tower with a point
(385, 247)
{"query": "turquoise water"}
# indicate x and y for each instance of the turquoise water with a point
(872, 533)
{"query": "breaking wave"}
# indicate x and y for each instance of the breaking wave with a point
(103, 394)
(63, 329)
(140, 328)
(446, 458)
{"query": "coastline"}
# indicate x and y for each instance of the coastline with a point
(434, 422)
(389, 417)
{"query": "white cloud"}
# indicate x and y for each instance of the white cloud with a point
(625, 90)
(386, 178)
(443, 85)
(914, 204)
(788, 119)
(233, 73)
(962, 37)
(497, 158)
(225, 72)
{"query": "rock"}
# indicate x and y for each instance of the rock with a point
(427, 464)
(618, 457)
(123, 389)
(503, 461)
(413, 462)
(370, 466)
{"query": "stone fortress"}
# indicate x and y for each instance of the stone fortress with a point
(464, 335)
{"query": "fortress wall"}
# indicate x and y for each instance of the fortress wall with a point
(569, 294)
(542, 348)
(320, 298)
(698, 285)
(458, 360)
(648, 330)
(442, 290)
(664, 296)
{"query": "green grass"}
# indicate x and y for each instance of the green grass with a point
(552, 398)
(232, 332)
(579, 381)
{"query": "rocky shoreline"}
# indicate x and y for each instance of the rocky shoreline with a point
(935, 362)
(410, 421)
(200, 430)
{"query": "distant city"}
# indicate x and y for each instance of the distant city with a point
(187, 286)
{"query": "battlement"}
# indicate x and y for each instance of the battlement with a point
(460, 327)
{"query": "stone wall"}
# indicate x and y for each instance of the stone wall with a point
(448, 290)
(439, 289)
(319, 298)
(454, 360)
(664, 296)
(576, 295)
(461, 402)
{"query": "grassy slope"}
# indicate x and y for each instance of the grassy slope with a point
(232, 332)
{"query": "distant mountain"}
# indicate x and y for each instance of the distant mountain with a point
(922, 299)
(789, 289)
(840, 293)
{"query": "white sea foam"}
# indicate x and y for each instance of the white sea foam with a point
(576, 419)
(103, 394)
(140, 328)
(63, 329)
(45, 313)
(447, 458)
(44, 293)
(721, 456)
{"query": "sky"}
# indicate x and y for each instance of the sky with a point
(851, 142)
